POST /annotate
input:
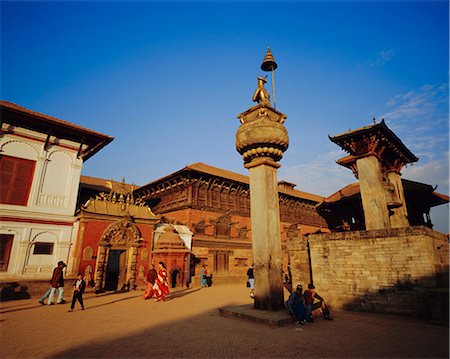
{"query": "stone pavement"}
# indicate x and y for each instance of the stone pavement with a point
(189, 326)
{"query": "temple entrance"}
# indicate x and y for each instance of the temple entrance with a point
(116, 270)
(116, 267)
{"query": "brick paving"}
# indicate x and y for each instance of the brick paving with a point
(189, 326)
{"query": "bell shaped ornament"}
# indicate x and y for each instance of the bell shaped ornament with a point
(269, 63)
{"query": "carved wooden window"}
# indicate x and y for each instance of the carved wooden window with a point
(224, 200)
(16, 176)
(222, 229)
(242, 233)
(200, 228)
(201, 199)
(240, 262)
(6, 241)
(215, 199)
(241, 204)
(43, 248)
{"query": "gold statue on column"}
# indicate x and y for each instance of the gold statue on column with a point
(261, 95)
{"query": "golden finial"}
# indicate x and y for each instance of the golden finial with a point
(269, 64)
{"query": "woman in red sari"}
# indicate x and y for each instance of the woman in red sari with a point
(161, 288)
(151, 280)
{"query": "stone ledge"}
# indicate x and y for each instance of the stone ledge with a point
(249, 313)
(376, 234)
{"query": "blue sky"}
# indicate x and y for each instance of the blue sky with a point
(167, 79)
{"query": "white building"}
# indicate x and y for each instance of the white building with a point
(41, 158)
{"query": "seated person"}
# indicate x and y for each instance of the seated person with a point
(296, 305)
(310, 294)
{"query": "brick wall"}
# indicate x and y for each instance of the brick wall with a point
(392, 270)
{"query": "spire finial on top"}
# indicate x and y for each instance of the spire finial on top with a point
(269, 63)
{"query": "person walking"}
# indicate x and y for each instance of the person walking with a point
(251, 281)
(57, 283)
(161, 287)
(45, 296)
(78, 289)
(204, 276)
(151, 279)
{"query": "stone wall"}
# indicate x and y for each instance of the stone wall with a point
(401, 270)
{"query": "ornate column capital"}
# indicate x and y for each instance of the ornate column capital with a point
(262, 136)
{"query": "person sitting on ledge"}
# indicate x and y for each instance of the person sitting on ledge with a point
(296, 305)
(310, 294)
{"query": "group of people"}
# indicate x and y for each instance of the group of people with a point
(57, 284)
(300, 305)
(157, 283)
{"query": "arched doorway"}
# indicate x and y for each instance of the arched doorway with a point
(116, 265)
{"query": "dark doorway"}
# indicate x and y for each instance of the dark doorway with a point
(116, 270)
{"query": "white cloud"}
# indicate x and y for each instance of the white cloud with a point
(434, 173)
(321, 176)
(382, 57)
(420, 119)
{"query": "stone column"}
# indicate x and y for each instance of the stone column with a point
(261, 140)
(399, 217)
(373, 195)
(132, 266)
(100, 267)
(265, 218)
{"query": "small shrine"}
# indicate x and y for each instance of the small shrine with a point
(376, 157)
(174, 251)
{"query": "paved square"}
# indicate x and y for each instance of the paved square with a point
(189, 326)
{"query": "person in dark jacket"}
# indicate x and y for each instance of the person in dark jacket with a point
(296, 305)
(251, 281)
(57, 282)
(78, 289)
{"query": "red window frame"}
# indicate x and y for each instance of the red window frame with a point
(16, 177)
(6, 241)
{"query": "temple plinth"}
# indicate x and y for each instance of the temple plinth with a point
(261, 140)
(376, 156)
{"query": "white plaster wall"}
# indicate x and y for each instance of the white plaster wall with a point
(52, 198)
(23, 264)
(56, 177)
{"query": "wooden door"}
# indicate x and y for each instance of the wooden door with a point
(122, 270)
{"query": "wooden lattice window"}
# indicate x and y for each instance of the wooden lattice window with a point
(240, 262)
(242, 233)
(223, 229)
(199, 228)
(16, 176)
